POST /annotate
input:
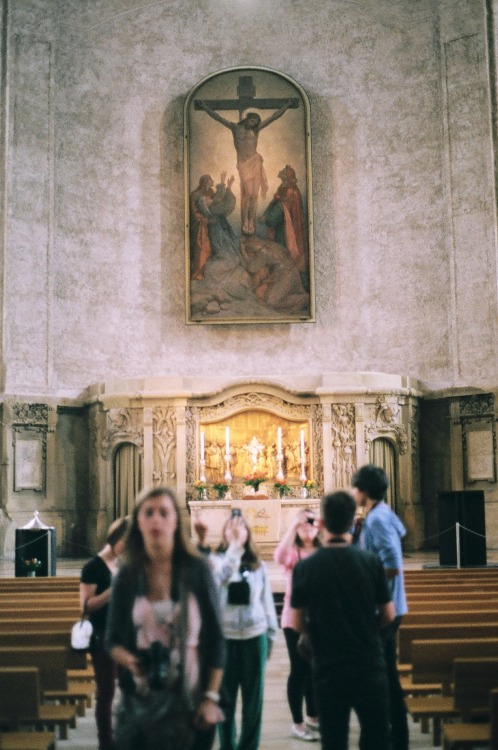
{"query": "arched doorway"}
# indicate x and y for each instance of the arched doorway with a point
(128, 478)
(382, 454)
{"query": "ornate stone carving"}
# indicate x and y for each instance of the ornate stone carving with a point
(164, 434)
(122, 426)
(384, 421)
(477, 406)
(343, 444)
(32, 414)
(190, 427)
(264, 401)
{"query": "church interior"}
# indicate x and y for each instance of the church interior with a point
(113, 379)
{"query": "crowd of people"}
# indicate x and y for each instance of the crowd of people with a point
(184, 629)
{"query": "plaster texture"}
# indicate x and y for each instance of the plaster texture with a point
(403, 189)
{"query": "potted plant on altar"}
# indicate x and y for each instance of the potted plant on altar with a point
(200, 487)
(221, 488)
(282, 488)
(31, 566)
(308, 486)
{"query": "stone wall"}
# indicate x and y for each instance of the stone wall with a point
(404, 220)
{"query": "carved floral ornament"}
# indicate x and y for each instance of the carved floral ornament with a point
(385, 422)
(32, 414)
(164, 443)
(476, 406)
(122, 426)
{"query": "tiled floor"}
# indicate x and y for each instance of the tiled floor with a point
(276, 722)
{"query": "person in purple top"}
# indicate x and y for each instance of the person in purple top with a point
(382, 532)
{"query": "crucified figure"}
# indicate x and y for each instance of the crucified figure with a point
(249, 163)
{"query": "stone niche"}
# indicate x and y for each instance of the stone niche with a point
(86, 461)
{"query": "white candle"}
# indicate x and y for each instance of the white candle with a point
(302, 446)
(279, 440)
(227, 441)
(202, 446)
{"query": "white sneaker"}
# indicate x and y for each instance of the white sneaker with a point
(303, 734)
(312, 724)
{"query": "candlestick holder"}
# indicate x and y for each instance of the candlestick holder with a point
(280, 472)
(302, 478)
(228, 473)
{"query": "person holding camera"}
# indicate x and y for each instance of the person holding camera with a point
(95, 591)
(164, 631)
(298, 542)
(250, 625)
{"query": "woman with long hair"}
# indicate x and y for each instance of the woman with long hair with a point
(250, 625)
(95, 591)
(164, 631)
(300, 540)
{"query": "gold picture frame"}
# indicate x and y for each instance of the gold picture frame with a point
(248, 200)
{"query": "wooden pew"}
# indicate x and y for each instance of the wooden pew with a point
(52, 613)
(408, 633)
(432, 661)
(27, 741)
(41, 584)
(79, 670)
(52, 664)
(461, 735)
(31, 625)
(436, 616)
(45, 599)
(20, 705)
(451, 588)
(448, 605)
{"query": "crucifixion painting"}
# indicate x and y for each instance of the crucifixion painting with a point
(258, 267)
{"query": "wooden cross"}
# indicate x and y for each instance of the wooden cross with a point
(246, 93)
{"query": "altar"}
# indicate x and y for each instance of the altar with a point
(268, 518)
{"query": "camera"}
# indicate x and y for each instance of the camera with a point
(310, 520)
(156, 663)
(239, 592)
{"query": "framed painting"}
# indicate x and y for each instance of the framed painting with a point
(248, 202)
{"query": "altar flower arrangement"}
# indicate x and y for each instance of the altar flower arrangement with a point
(282, 488)
(221, 489)
(308, 486)
(32, 565)
(200, 488)
(255, 479)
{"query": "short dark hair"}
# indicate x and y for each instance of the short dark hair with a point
(338, 511)
(117, 530)
(372, 480)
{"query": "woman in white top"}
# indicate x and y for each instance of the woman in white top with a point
(250, 626)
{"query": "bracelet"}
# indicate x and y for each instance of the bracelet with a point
(211, 695)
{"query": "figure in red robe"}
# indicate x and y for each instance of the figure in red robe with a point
(286, 224)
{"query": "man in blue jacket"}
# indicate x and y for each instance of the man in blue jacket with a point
(381, 533)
